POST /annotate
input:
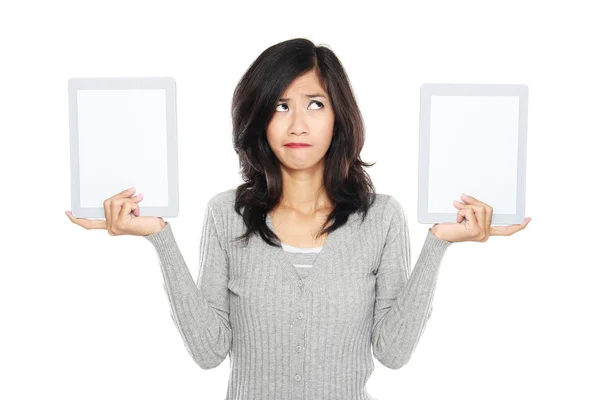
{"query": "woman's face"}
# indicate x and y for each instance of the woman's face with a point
(304, 114)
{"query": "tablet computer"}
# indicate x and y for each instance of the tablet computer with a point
(472, 140)
(123, 133)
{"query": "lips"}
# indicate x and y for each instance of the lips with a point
(297, 145)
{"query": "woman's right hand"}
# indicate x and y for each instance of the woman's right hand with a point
(119, 221)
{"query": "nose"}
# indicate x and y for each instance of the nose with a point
(298, 123)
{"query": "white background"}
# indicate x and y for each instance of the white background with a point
(85, 315)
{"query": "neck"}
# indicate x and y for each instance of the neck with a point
(304, 191)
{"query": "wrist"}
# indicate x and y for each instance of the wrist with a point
(435, 233)
(160, 227)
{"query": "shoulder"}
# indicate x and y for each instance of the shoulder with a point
(222, 201)
(387, 203)
(220, 208)
(388, 209)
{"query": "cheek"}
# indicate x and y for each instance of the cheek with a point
(326, 137)
(274, 130)
(271, 136)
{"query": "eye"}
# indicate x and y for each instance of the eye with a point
(312, 102)
(317, 102)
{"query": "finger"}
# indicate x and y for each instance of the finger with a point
(125, 193)
(127, 207)
(137, 198)
(480, 213)
(108, 208)
(486, 222)
(460, 206)
(504, 230)
(488, 219)
(87, 223)
(471, 216)
(135, 208)
(115, 211)
(471, 200)
(483, 218)
(474, 219)
(483, 213)
(508, 230)
(460, 216)
(479, 216)
(107, 212)
(468, 214)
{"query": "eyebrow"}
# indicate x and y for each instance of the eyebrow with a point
(307, 95)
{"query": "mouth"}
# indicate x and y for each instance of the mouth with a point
(297, 145)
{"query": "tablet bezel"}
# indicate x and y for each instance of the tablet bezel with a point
(134, 83)
(453, 89)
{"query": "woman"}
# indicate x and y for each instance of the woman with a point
(302, 318)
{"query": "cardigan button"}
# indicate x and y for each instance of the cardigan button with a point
(300, 283)
(299, 315)
(297, 378)
(298, 349)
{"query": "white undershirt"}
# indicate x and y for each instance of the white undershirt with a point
(292, 249)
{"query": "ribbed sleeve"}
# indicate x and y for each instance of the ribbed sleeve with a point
(403, 299)
(200, 310)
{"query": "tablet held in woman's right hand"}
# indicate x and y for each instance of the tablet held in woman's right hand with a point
(122, 217)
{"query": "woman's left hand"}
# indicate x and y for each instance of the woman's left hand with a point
(477, 227)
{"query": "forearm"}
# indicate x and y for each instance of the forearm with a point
(398, 332)
(204, 328)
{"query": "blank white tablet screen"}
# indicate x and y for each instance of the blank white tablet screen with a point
(474, 144)
(122, 139)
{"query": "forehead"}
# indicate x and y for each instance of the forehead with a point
(307, 83)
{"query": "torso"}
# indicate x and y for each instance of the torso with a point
(298, 230)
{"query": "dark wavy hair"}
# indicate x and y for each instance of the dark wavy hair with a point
(254, 101)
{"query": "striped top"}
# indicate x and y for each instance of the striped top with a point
(301, 333)
(301, 257)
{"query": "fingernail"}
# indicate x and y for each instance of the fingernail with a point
(464, 195)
